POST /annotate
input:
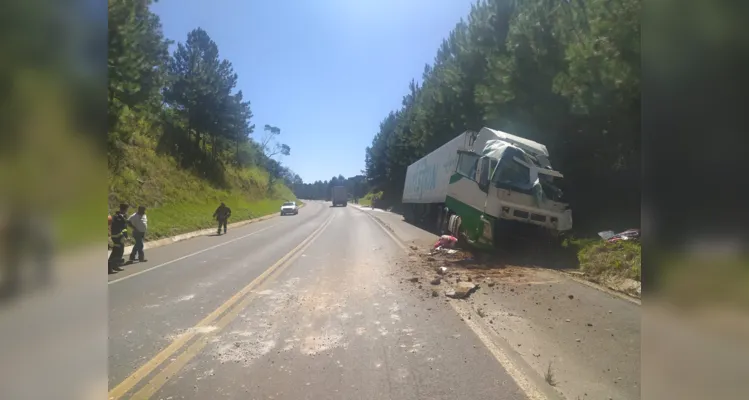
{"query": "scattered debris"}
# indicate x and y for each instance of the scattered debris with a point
(481, 313)
(571, 297)
(462, 290)
(414, 247)
(435, 293)
(536, 354)
(450, 293)
(442, 270)
(415, 279)
(436, 281)
(567, 320)
(577, 340)
(589, 324)
(629, 234)
(549, 376)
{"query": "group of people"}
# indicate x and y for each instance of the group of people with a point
(138, 222)
(118, 224)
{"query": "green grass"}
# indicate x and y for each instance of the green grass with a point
(367, 199)
(180, 201)
(602, 260)
(171, 220)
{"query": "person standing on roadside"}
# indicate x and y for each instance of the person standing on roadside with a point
(139, 222)
(222, 214)
(118, 233)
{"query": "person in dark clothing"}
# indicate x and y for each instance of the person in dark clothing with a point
(222, 214)
(118, 235)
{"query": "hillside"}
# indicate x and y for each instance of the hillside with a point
(178, 200)
(180, 138)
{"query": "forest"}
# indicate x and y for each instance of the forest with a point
(184, 103)
(356, 187)
(565, 73)
(181, 137)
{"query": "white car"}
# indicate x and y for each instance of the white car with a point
(289, 208)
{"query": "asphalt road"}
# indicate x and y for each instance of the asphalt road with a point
(590, 337)
(300, 307)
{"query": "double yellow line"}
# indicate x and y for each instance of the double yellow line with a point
(234, 305)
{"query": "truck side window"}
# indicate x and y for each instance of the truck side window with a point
(467, 165)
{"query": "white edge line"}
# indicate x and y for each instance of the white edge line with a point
(523, 382)
(518, 376)
(189, 255)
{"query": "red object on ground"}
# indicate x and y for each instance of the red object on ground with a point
(446, 241)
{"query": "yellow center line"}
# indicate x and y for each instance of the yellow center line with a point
(129, 383)
(194, 349)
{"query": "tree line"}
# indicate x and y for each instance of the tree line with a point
(561, 72)
(186, 101)
(356, 186)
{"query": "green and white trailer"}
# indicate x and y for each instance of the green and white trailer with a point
(483, 186)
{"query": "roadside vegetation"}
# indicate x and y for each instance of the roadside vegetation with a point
(602, 261)
(180, 136)
(367, 199)
(565, 74)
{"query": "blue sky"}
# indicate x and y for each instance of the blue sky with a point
(324, 71)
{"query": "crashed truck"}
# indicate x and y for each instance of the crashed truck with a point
(487, 187)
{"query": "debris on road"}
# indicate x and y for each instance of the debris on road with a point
(442, 270)
(462, 290)
(415, 279)
(571, 297)
(436, 281)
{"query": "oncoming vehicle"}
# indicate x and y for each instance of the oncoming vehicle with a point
(289, 208)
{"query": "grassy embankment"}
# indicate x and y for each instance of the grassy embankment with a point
(601, 261)
(180, 201)
(367, 199)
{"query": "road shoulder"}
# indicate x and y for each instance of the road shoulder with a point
(202, 232)
(589, 336)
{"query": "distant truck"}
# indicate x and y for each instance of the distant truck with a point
(487, 186)
(339, 196)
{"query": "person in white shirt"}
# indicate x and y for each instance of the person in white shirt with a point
(139, 222)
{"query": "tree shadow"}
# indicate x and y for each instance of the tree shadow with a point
(176, 142)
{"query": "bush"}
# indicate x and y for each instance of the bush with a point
(603, 259)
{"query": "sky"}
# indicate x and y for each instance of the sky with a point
(326, 72)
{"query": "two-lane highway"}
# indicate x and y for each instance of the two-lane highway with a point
(301, 307)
